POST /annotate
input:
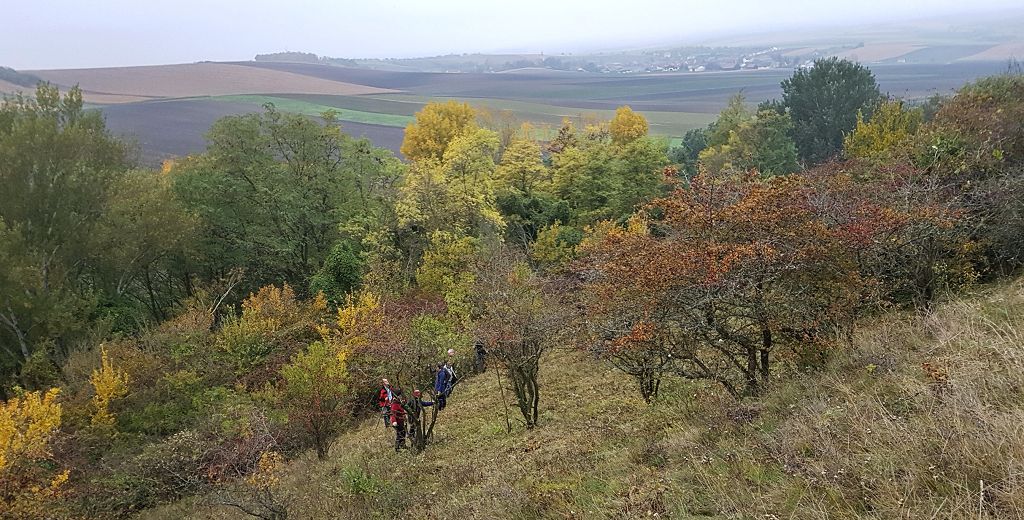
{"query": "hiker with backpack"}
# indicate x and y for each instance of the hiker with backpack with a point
(384, 398)
(442, 385)
(398, 416)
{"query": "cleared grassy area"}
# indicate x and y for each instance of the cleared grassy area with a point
(299, 106)
(917, 417)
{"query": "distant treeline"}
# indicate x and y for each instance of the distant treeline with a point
(306, 57)
(18, 78)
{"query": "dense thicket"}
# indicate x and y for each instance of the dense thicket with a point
(164, 333)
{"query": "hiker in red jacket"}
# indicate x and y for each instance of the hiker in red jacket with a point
(384, 398)
(398, 419)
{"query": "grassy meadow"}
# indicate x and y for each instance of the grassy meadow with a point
(917, 418)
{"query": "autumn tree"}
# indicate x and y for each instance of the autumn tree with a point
(446, 271)
(566, 137)
(108, 383)
(627, 126)
(891, 126)
(733, 270)
(523, 192)
(274, 323)
(906, 229)
(518, 322)
(435, 127)
(456, 193)
(29, 487)
(402, 337)
(978, 132)
(600, 181)
(522, 167)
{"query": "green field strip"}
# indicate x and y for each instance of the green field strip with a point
(661, 123)
(296, 106)
(365, 103)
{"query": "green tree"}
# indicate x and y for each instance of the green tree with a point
(274, 190)
(145, 235)
(762, 143)
(685, 155)
(824, 102)
(729, 119)
(58, 165)
(341, 273)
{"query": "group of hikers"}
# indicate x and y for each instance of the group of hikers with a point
(396, 409)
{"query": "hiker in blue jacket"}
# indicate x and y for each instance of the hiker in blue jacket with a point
(442, 385)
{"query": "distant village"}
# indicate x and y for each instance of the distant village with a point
(688, 59)
(710, 61)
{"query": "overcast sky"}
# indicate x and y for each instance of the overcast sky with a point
(39, 34)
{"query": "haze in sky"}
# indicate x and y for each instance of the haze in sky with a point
(75, 33)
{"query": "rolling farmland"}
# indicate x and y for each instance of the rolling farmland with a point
(168, 109)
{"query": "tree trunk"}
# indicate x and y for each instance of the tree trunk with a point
(751, 371)
(536, 396)
(11, 320)
(766, 347)
(321, 447)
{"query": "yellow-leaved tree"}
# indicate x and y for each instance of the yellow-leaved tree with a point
(890, 126)
(109, 383)
(627, 126)
(316, 383)
(522, 167)
(436, 125)
(27, 425)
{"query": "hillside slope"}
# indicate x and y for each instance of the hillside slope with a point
(919, 418)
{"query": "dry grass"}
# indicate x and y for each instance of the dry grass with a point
(922, 417)
(198, 79)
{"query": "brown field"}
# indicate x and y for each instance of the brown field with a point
(98, 98)
(879, 52)
(196, 79)
(11, 88)
(1001, 52)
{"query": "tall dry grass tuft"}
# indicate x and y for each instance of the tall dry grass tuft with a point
(924, 418)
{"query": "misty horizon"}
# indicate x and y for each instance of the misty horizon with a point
(120, 33)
